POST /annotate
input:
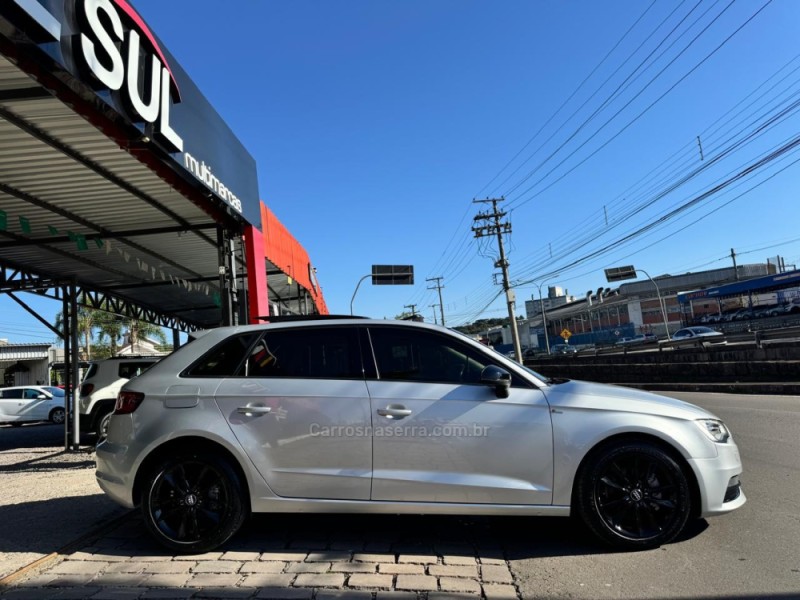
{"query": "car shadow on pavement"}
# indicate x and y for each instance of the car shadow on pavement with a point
(500, 538)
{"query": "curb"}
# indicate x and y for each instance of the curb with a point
(69, 548)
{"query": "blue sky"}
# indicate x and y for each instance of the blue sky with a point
(374, 124)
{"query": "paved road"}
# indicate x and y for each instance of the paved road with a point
(752, 553)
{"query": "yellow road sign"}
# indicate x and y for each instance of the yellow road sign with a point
(566, 333)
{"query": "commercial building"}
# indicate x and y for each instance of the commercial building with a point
(652, 306)
(122, 188)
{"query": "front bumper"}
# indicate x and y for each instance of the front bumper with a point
(718, 480)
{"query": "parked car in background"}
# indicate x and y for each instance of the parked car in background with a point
(783, 309)
(763, 311)
(29, 403)
(377, 416)
(734, 315)
(100, 386)
(641, 338)
(532, 352)
(715, 318)
(697, 334)
(563, 349)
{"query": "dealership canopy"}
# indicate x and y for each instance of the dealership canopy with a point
(119, 179)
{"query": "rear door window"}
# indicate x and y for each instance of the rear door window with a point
(306, 353)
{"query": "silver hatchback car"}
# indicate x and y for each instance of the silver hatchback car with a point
(358, 415)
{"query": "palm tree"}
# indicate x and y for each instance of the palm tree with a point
(141, 329)
(86, 324)
(110, 327)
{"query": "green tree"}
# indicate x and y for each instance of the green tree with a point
(110, 330)
(86, 324)
(141, 329)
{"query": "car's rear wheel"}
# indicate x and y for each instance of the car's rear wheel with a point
(57, 416)
(633, 496)
(193, 502)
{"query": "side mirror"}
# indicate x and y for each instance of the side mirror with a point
(498, 378)
(41, 397)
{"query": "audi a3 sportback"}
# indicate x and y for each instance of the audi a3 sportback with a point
(350, 415)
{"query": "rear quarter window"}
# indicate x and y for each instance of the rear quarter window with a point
(224, 359)
(128, 370)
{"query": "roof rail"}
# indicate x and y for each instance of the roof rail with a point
(289, 318)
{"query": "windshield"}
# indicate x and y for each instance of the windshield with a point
(58, 392)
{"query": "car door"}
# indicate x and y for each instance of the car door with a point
(10, 403)
(443, 436)
(35, 405)
(300, 409)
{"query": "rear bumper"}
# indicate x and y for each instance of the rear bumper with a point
(112, 474)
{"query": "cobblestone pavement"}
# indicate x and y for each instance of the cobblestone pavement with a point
(302, 556)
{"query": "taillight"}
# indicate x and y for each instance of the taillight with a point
(127, 402)
(86, 389)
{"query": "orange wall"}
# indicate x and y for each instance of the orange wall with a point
(286, 253)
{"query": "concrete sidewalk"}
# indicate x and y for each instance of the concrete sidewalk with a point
(318, 557)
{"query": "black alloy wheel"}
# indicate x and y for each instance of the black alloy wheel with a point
(634, 496)
(194, 502)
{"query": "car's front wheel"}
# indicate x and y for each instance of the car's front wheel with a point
(193, 502)
(633, 495)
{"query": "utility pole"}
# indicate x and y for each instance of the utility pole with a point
(413, 308)
(439, 287)
(493, 226)
(735, 270)
(433, 306)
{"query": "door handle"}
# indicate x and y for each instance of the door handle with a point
(253, 410)
(394, 411)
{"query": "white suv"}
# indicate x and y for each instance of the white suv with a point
(100, 387)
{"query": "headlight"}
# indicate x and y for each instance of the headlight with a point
(714, 429)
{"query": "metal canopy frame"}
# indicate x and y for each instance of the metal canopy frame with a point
(94, 215)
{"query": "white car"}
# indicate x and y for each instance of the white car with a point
(100, 386)
(699, 335)
(376, 416)
(28, 403)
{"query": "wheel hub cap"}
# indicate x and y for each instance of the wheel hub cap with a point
(190, 500)
(637, 495)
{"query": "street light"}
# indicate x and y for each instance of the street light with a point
(629, 272)
(544, 317)
(386, 275)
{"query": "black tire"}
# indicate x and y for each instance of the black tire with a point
(633, 496)
(193, 502)
(101, 425)
(57, 416)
